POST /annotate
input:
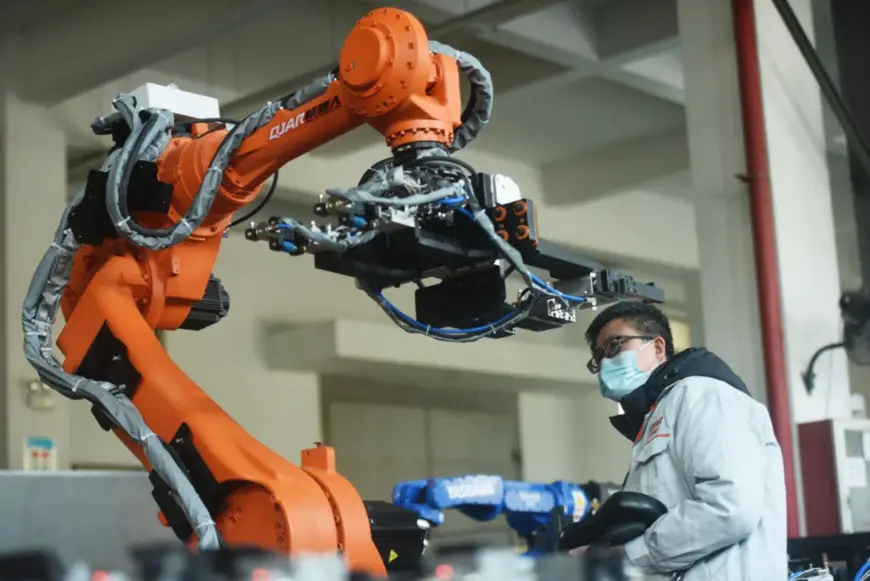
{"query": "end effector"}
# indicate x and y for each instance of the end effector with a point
(602, 287)
(440, 221)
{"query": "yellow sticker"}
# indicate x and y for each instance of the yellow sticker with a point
(393, 556)
(580, 502)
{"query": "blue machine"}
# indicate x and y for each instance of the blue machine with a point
(527, 506)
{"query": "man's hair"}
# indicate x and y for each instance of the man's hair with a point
(644, 317)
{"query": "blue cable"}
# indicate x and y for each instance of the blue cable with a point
(441, 330)
(863, 571)
(452, 202)
(796, 575)
(537, 279)
(560, 294)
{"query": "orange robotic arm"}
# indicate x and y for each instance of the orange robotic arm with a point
(135, 255)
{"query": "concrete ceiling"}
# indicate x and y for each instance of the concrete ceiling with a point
(572, 76)
(578, 118)
(22, 17)
(562, 69)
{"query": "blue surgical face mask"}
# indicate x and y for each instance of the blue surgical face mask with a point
(620, 375)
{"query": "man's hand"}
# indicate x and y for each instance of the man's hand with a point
(577, 551)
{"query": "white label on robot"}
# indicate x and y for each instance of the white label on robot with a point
(40, 454)
(557, 310)
(471, 488)
(529, 498)
(289, 125)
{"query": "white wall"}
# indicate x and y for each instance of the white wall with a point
(570, 438)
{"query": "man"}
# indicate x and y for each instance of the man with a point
(702, 446)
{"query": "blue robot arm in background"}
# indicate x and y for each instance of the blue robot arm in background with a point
(527, 506)
(478, 497)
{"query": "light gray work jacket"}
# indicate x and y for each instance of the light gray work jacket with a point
(708, 452)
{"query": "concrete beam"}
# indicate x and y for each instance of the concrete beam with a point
(439, 20)
(563, 34)
(485, 14)
(616, 169)
(373, 350)
(648, 83)
(621, 226)
(21, 15)
(552, 30)
(102, 40)
(629, 30)
(619, 44)
(565, 29)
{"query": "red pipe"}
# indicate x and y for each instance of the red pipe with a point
(764, 245)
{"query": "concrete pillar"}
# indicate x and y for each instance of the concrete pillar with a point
(727, 277)
(808, 267)
(695, 308)
(33, 196)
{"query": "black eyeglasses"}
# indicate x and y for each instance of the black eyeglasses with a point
(611, 348)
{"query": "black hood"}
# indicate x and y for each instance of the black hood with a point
(688, 363)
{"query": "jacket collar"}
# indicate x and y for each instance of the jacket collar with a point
(624, 426)
(637, 404)
(689, 363)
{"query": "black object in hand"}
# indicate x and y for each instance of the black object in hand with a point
(623, 517)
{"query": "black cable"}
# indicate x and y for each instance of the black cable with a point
(224, 120)
(216, 120)
(442, 160)
(247, 216)
(285, 101)
(829, 90)
(808, 375)
(274, 185)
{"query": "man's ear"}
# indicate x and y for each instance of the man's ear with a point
(660, 346)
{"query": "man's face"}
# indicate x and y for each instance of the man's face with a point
(618, 336)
